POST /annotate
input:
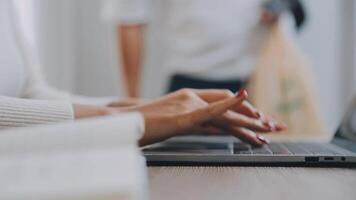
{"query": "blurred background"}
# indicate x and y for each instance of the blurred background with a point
(78, 50)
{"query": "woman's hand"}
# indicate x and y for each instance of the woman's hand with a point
(191, 111)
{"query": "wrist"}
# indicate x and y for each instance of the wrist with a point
(86, 111)
(105, 111)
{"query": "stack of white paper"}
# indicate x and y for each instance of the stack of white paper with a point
(91, 159)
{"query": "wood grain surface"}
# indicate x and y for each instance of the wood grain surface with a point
(185, 183)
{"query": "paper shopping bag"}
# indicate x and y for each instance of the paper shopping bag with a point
(282, 86)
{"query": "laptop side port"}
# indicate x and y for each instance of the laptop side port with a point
(311, 159)
(328, 158)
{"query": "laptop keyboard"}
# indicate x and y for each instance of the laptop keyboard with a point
(243, 148)
(285, 149)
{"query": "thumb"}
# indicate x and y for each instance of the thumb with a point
(213, 110)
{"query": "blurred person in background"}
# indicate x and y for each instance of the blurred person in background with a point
(207, 43)
(27, 100)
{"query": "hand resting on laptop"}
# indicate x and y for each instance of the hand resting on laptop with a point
(190, 111)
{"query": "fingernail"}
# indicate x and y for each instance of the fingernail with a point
(267, 124)
(242, 93)
(262, 139)
(258, 115)
(272, 125)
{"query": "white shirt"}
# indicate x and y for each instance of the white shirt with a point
(205, 38)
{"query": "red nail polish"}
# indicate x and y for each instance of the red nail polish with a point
(242, 93)
(258, 115)
(272, 126)
(267, 124)
(262, 139)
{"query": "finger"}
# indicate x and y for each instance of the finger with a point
(213, 95)
(248, 136)
(201, 130)
(235, 119)
(219, 107)
(210, 111)
(247, 109)
(274, 124)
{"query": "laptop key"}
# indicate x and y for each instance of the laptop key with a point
(241, 148)
(296, 149)
(261, 150)
(243, 152)
(319, 149)
(278, 149)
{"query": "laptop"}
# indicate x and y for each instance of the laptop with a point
(229, 151)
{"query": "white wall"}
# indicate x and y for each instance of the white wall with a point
(78, 51)
(353, 55)
(56, 41)
(97, 64)
(321, 41)
(76, 47)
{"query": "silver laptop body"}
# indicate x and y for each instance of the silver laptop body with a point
(227, 150)
(190, 151)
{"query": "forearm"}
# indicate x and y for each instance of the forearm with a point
(131, 46)
(20, 112)
(86, 111)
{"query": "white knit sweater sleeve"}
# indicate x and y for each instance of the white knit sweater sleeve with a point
(17, 112)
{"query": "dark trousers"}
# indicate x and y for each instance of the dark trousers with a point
(183, 81)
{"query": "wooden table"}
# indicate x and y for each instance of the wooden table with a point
(185, 183)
